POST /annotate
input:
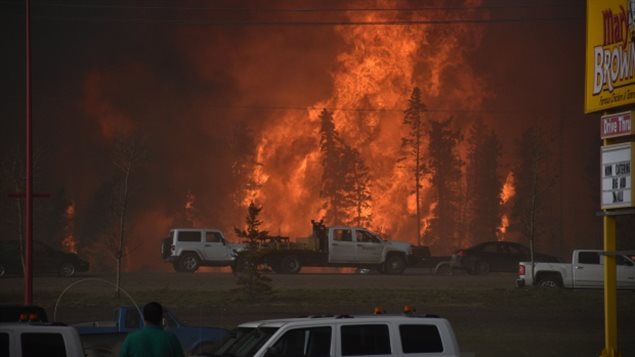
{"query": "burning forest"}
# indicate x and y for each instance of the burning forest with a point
(404, 118)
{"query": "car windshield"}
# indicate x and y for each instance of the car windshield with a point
(243, 342)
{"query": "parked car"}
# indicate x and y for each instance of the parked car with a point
(46, 260)
(495, 256)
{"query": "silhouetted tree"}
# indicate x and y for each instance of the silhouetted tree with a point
(250, 279)
(483, 183)
(533, 183)
(333, 188)
(358, 181)
(128, 154)
(443, 167)
(412, 143)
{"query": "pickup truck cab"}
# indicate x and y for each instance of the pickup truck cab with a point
(586, 270)
(345, 335)
(190, 248)
(40, 339)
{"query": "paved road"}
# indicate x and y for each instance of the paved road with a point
(214, 281)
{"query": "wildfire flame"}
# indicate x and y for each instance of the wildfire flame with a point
(191, 213)
(371, 85)
(508, 191)
(69, 240)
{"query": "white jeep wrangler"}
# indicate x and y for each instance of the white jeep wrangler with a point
(190, 248)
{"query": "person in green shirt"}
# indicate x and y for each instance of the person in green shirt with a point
(152, 340)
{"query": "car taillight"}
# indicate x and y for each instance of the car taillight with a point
(460, 253)
(172, 248)
(521, 269)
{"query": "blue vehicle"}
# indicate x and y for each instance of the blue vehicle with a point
(128, 318)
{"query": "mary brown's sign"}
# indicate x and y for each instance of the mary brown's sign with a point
(610, 54)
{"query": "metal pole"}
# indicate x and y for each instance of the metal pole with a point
(28, 273)
(610, 290)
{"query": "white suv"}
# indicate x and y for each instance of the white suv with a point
(321, 336)
(189, 248)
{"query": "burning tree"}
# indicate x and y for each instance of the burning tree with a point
(443, 167)
(484, 183)
(357, 182)
(250, 277)
(412, 144)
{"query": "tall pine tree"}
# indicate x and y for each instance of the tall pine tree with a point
(250, 279)
(358, 197)
(412, 143)
(443, 167)
(484, 183)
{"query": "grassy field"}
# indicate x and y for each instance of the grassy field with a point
(494, 320)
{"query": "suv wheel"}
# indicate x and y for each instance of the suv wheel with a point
(189, 262)
(395, 265)
(67, 269)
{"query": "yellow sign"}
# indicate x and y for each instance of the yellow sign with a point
(610, 54)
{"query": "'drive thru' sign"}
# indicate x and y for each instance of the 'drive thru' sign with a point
(618, 124)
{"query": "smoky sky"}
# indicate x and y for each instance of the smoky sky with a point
(194, 90)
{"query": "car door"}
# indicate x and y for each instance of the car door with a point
(625, 273)
(214, 247)
(489, 252)
(342, 249)
(510, 255)
(369, 247)
(588, 270)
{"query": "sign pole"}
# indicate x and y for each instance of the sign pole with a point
(610, 289)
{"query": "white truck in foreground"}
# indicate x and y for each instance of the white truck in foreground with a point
(344, 335)
(586, 270)
(22, 339)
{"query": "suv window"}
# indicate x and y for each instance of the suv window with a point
(43, 345)
(4, 344)
(213, 237)
(360, 340)
(589, 258)
(189, 236)
(420, 339)
(304, 342)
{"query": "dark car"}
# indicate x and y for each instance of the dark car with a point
(46, 260)
(495, 256)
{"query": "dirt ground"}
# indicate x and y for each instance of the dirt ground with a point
(489, 315)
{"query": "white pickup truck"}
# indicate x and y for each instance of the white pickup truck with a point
(343, 246)
(586, 270)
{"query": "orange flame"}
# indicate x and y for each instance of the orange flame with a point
(508, 191)
(191, 213)
(69, 240)
(372, 83)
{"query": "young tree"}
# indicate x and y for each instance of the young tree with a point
(128, 154)
(483, 183)
(443, 167)
(250, 279)
(533, 184)
(412, 143)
